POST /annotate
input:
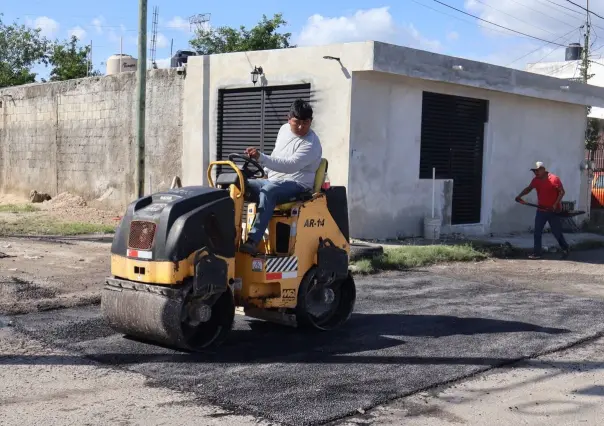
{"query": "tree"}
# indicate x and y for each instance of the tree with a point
(227, 39)
(70, 61)
(20, 49)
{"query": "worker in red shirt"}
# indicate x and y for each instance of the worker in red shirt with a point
(549, 194)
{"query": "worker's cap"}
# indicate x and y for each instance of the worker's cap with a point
(538, 165)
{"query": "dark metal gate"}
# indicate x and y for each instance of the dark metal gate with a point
(452, 139)
(253, 116)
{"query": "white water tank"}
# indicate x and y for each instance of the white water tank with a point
(113, 64)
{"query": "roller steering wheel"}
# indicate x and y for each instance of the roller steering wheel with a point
(258, 173)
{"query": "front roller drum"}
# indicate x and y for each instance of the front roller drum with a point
(165, 315)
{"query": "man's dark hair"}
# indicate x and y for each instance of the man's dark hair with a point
(301, 110)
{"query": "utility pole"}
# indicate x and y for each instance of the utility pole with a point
(141, 79)
(586, 47)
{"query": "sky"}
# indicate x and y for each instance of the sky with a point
(423, 24)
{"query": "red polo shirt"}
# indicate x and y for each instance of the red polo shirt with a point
(547, 189)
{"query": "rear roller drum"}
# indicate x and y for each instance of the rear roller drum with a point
(324, 307)
(173, 319)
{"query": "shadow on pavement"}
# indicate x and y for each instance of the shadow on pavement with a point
(263, 342)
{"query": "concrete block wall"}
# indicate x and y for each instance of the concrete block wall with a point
(80, 136)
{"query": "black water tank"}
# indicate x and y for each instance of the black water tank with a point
(573, 52)
(181, 58)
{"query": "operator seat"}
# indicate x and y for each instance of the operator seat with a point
(320, 175)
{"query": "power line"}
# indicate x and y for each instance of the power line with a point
(512, 16)
(543, 13)
(565, 36)
(497, 25)
(585, 9)
(459, 18)
(563, 7)
(581, 16)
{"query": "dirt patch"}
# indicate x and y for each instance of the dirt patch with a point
(582, 274)
(64, 200)
(43, 274)
(64, 208)
(22, 289)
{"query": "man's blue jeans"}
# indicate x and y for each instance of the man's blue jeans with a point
(268, 195)
(541, 218)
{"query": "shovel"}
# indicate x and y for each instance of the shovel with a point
(563, 213)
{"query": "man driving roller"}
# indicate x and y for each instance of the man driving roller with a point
(291, 169)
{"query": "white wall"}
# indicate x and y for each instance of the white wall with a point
(386, 197)
(80, 136)
(572, 69)
(330, 88)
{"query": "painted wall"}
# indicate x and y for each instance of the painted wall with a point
(80, 136)
(387, 198)
(330, 91)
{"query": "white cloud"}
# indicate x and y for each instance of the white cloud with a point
(179, 23)
(373, 24)
(163, 63)
(48, 27)
(78, 31)
(453, 36)
(162, 41)
(98, 23)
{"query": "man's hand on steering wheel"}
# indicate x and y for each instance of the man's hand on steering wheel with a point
(256, 173)
(253, 153)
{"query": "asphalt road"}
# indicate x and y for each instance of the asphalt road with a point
(408, 333)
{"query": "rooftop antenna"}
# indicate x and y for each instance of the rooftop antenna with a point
(154, 37)
(199, 21)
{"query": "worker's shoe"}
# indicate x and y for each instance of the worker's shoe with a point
(565, 253)
(249, 247)
(534, 256)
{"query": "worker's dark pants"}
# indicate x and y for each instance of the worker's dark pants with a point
(541, 218)
(267, 195)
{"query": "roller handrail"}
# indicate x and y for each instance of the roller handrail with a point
(231, 165)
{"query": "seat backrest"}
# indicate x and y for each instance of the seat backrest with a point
(320, 176)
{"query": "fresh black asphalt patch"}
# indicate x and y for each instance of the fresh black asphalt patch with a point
(408, 333)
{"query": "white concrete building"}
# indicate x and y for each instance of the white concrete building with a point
(570, 69)
(387, 115)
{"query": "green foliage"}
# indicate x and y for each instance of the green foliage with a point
(592, 130)
(20, 49)
(592, 133)
(18, 208)
(406, 257)
(28, 225)
(70, 61)
(227, 39)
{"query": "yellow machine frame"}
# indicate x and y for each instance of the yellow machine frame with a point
(269, 279)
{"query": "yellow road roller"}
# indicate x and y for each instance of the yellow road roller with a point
(177, 275)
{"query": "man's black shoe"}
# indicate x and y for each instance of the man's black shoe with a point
(248, 247)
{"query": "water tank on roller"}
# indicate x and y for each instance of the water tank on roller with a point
(181, 58)
(113, 64)
(573, 52)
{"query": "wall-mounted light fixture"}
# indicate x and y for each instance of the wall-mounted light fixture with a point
(257, 71)
(333, 58)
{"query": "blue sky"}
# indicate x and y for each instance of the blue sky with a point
(423, 24)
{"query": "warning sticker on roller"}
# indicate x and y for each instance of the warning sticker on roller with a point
(281, 268)
(140, 254)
